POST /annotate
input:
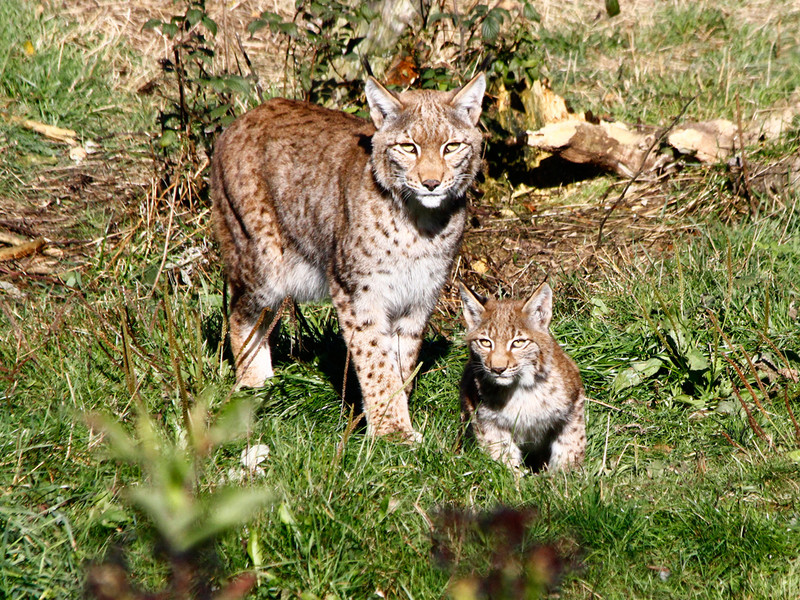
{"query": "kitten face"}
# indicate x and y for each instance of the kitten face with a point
(509, 340)
(505, 359)
(426, 150)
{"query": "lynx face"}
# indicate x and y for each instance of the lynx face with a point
(426, 152)
(509, 341)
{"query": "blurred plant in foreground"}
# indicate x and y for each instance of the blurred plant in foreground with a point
(516, 569)
(187, 517)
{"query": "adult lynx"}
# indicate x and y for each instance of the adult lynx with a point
(521, 394)
(310, 202)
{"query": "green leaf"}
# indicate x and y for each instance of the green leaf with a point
(173, 525)
(152, 24)
(225, 510)
(689, 400)
(289, 29)
(635, 374)
(648, 368)
(168, 138)
(116, 438)
(599, 308)
(697, 361)
(678, 336)
(254, 549)
(794, 456)
(193, 16)
(491, 27)
(285, 515)
(169, 29)
(236, 83)
(254, 26)
(210, 24)
(530, 13)
(219, 112)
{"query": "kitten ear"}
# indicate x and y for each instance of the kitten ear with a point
(470, 98)
(473, 306)
(539, 307)
(383, 104)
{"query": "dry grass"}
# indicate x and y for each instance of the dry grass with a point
(125, 18)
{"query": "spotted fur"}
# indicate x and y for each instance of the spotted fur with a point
(310, 202)
(521, 394)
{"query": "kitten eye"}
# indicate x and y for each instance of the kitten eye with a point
(451, 147)
(519, 343)
(484, 343)
(408, 148)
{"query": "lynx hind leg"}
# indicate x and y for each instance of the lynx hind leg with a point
(250, 344)
(569, 447)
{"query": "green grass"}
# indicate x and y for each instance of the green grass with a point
(680, 496)
(645, 72)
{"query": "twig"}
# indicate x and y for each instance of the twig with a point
(745, 170)
(181, 92)
(168, 236)
(259, 91)
(791, 415)
(11, 239)
(15, 252)
(240, 362)
(734, 444)
(605, 447)
(54, 133)
(640, 170)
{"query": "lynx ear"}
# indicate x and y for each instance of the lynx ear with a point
(383, 104)
(539, 307)
(470, 98)
(473, 306)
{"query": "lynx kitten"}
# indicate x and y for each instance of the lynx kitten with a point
(520, 392)
(310, 202)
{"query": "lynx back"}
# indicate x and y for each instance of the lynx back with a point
(310, 202)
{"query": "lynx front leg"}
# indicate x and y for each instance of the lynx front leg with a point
(498, 443)
(407, 340)
(375, 360)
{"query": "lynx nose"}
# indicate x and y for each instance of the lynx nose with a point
(498, 369)
(431, 184)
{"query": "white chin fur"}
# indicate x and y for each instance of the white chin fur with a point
(503, 380)
(431, 200)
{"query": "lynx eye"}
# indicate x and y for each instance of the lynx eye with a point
(519, 343)
(408, 148)
(451, 147)
(484, 343)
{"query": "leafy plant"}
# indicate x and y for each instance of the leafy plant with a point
(518, 569)
(327, 40)
(186, 517)
(201, 103)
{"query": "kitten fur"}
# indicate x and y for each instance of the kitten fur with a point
(311, 202)
(521, 394)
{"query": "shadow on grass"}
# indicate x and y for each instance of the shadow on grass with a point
(297, 339)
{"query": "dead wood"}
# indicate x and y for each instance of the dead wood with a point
(623, 149)
(15, 252)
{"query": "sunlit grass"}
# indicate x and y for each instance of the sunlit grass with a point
(683, 494)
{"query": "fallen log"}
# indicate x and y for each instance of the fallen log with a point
(626, 150)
